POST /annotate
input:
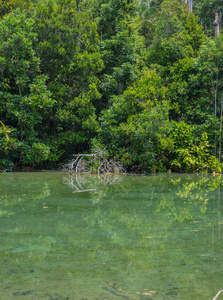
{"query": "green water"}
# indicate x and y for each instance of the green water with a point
(110, 237)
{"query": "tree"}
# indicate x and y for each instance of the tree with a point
(8, 6)
(70, 56)
(24, 94)
(135, 128)
(190, 152)
(49, 58)
(205, 9)
(177, 34)
(210, 63)
(122, 46)
(173, 52)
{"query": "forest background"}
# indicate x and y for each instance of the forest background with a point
(140, 80)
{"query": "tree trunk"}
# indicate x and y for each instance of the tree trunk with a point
(190, 4)
(216, 24)
(215, 102)
(219, 156)
(220, 22)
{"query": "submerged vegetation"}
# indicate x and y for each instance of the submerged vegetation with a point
(141, 80)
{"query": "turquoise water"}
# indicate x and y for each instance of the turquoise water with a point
(83, 237)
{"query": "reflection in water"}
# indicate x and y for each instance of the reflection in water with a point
(81, 183)
(74, 182)
(69, 236)
(95, 184)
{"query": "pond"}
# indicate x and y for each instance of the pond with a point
(88, 237)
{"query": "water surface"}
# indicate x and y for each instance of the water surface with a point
(86, 237)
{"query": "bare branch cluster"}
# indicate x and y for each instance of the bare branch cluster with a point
(110, 166)
(96, 162)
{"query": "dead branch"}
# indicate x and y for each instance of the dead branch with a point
(120, 290)
(84, 162)
(86, 190)
(79, 161)
(84, 155)
(217, 295)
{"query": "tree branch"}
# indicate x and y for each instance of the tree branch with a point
(217, 295)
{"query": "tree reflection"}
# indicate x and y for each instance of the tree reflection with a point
(149, 223)
(190, 199)
(180, 198)
(132, 230)
(134, 210)
(95, 184)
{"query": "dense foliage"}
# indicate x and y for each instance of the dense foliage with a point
(141, 79)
